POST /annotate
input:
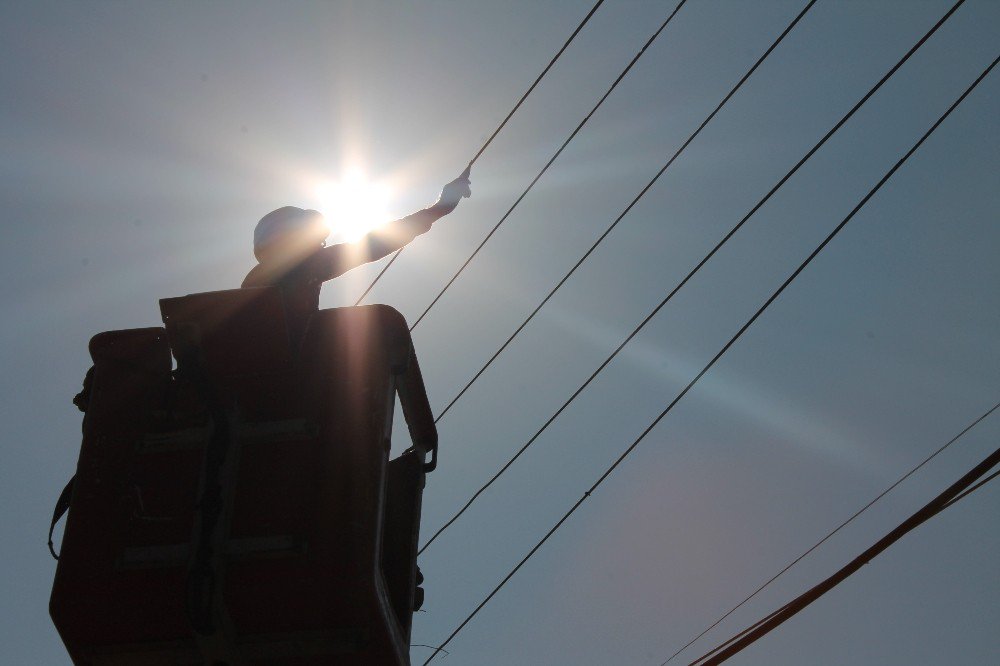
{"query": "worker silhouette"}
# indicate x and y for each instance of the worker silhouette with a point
(292, 254)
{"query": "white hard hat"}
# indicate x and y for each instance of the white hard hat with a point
(288, 224)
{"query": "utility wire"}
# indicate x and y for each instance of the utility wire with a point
(628, 208)
(832, 532)
(527, 92)
(763, 627)
(545, 168)
(540, 76)
(378, 277)
(974, 488)
(691, 273)
(720, 354)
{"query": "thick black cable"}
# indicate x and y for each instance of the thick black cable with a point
(833, 532)
(743, 633)
(628, 208)
(969, 491)
(721, 353)
(551, 160)
(944, 500)
(517, 106)
(694, 270)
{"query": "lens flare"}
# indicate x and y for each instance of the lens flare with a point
(354, 205)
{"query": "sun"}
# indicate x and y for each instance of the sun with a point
(354, 205)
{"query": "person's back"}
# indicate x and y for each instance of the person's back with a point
(290, 246)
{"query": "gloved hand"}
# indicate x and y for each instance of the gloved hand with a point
(453, 192)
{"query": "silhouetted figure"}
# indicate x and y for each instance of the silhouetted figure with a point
(290, 246)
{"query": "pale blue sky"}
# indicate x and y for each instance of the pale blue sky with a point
(140, 142)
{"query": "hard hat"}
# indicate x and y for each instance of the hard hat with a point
(288, 226)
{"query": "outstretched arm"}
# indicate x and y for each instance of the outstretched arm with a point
(338, 259)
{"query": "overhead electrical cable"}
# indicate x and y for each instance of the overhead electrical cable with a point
(693, 271)
(482, 149)
(969, 491)
(720, 354)
(958, 490)
(625, 212)
(528, 91)
(545, 168)
(832, 532)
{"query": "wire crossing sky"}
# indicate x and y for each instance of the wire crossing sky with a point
(719, 355)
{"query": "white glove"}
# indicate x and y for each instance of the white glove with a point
(455, 191)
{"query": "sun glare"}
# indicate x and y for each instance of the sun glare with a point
(354, 205)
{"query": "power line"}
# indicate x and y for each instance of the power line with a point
(628, 208)
(379, 276)
(952, 494)
(973, 489)
(832, 532)
(545, 168)
(721, 353)
(482, 149)
(692, 272)
(528, 91)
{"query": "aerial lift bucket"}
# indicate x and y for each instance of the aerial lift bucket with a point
(242, 509)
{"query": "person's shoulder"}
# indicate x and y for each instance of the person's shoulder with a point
(266, 275)
(313, 267)
(255, 278)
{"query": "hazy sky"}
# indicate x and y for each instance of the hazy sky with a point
(140, 142)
